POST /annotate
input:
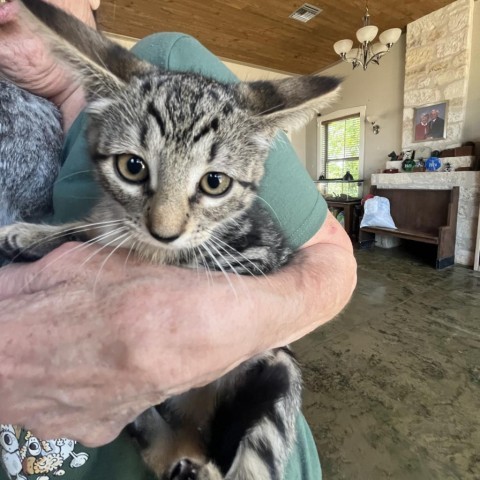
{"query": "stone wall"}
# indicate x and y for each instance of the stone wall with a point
(437, 67)
(468, 208)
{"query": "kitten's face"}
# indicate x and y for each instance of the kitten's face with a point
(177, 157)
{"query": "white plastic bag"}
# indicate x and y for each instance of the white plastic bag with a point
(377, 213)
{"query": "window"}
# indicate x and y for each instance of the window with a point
(340, 147)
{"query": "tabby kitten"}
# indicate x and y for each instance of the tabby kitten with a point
(180, 158)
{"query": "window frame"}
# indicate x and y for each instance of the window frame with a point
(339, 115)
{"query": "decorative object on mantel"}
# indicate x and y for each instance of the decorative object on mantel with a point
(419, 165)
(408, 164)
(394, 164)
(366, 51)
(433, 164)
(452, 159)
(430, 122)
(448, 167)
(423, 153)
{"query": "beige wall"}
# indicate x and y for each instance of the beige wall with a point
(380, 89)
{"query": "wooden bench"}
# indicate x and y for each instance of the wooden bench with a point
(427, 216)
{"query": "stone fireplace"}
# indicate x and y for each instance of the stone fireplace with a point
(437, 67)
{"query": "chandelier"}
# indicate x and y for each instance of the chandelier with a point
(366, 51)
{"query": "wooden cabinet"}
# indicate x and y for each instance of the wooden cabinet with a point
(351, 217)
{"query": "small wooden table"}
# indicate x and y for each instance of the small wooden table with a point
(348, 208)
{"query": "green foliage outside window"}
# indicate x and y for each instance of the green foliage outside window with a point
(341, 153)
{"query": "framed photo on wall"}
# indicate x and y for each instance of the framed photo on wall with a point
(430, 122)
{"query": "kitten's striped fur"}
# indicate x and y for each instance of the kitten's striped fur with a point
(164, 145)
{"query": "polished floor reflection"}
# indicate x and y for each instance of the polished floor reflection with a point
(392, 386)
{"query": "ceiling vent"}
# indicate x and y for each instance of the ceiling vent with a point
(305, 13)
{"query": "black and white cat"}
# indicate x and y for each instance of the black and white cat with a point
(179, 158)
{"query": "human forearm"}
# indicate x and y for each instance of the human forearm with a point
(87, 345)
(248, 314)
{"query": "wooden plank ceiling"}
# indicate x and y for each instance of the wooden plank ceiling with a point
(260, 32)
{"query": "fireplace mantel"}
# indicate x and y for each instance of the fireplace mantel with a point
(468, 208)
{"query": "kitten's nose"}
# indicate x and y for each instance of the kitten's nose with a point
(163, 239)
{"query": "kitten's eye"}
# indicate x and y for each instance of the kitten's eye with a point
(215, 183)
(132, 168)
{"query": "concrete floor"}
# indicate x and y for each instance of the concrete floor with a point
(392, 385)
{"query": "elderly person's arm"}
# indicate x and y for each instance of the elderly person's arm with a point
(84, 352)
(87, 345)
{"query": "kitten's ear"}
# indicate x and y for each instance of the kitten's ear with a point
(102, 66)
(289, 102)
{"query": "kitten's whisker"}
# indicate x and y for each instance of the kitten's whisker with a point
(215, 259)
(197, 268)
(49, 264)
(99, 239)
(128, 236)
(216, 262)
(229, 252)
(64, 233)
(72, 175)
(214, 244)
(269, 110)
(208, 273)
(256, 267)
(132, 247)
(268, 205)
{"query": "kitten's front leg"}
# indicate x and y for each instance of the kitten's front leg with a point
(29, 241)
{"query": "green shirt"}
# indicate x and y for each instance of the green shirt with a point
(294, 201)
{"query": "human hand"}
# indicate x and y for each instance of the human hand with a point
(87, 346)
(25, 59)
(89, 342)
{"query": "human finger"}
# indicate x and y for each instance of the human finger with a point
(71, 262)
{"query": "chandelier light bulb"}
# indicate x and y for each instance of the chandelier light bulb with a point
(378, 47)
(390, 36)
(353, 54)
(343, 46)
(367, 34)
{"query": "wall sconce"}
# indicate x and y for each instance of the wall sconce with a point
(375, 126)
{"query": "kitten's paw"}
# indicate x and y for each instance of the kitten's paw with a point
(11, 242)
(28, 242)
(185, 469)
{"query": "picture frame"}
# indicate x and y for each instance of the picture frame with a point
(430, 122)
